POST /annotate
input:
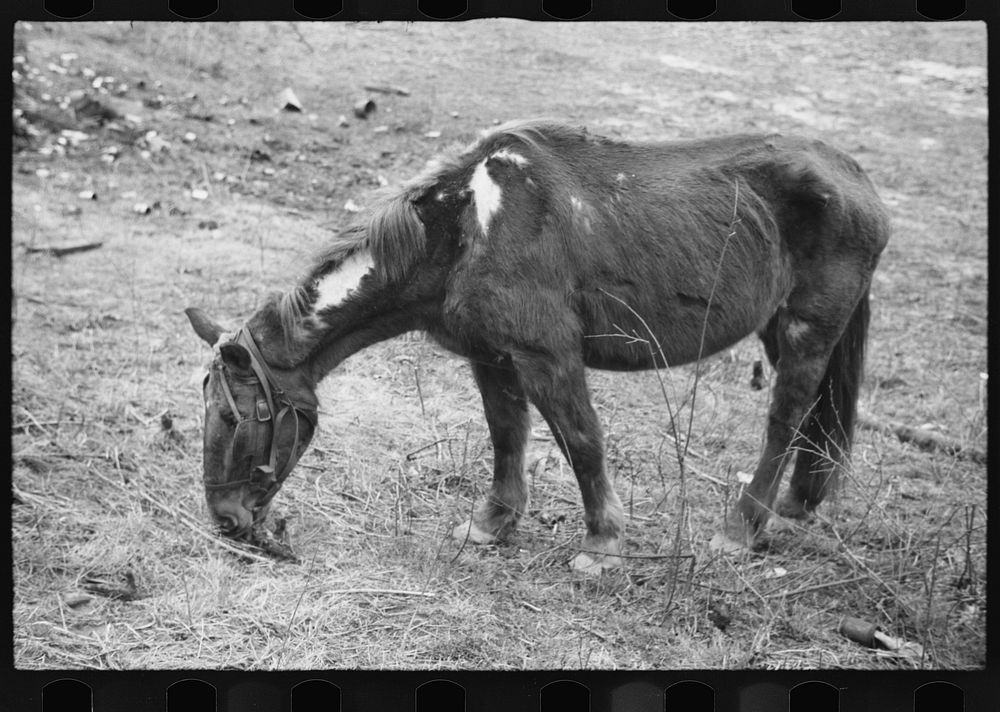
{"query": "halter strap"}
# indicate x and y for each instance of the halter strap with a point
(271, 392)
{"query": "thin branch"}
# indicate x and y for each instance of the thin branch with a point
(924, 439)
(61, 250)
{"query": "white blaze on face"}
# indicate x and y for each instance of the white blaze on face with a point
(335, 287)
(486, 193)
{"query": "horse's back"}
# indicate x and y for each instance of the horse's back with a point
(692, 244)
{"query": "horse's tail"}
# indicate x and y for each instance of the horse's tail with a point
(825, 440)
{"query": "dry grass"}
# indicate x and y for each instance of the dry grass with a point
(106, 416)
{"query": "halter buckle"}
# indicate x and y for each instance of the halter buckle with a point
(263, 411)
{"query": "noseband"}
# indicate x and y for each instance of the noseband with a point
(263, 476)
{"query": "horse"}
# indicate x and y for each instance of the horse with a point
(543, 250)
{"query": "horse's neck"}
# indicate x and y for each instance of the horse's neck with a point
(303, 329)
(348, 334)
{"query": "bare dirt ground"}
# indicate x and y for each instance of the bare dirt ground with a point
(115, 562)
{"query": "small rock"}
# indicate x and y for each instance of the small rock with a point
(142, 209)
(74, 137)
(199, 194)
(352, 207)
(288, 101)
(75, 600)
(363, 108)
(87, 195)
(432, 134)
(190, 137)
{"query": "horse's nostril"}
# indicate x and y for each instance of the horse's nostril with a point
(227, 523)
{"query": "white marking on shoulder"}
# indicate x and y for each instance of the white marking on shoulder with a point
(335, 287)
(505, 154)
(487, 195)
(582, 213)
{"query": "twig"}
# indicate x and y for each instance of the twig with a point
(381, 89)
(288, 628)
(302, 38)
(814, 587)
(60, 251)
(410, 456)
(924, 439)
(389, 591)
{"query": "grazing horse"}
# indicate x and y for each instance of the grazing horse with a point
(543, 250)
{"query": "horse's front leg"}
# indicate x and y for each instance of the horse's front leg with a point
(558, 388)
(506, 410)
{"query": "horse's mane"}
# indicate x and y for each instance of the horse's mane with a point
(392, 230)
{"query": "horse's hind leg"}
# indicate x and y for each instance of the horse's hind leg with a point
(807, 335)
(506, 409)
(558, 388)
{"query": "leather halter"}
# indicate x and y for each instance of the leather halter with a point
(262, 476)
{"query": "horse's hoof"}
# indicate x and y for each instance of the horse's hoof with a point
(469, 531)
(594, 564)
(791, 509)
(723, 544)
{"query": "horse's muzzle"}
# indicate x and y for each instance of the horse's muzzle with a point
(234, 522)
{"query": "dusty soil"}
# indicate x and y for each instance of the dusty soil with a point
(115, 562)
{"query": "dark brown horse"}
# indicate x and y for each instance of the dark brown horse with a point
(543, 250)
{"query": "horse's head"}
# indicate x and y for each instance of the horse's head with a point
(258, 422)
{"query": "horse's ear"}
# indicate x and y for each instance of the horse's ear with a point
(235, 356)
(207, 329)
